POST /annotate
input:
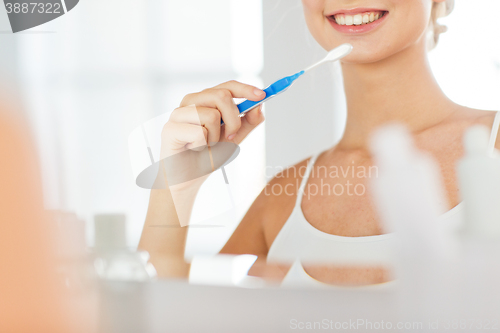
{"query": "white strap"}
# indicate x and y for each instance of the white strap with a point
(300, 193)
(494, 133)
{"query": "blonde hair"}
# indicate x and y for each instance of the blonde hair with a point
(439, 10)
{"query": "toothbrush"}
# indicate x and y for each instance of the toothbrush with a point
(283, 84)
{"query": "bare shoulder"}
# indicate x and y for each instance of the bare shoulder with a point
(488, 120)
(268, 213)
(453, 127)
(479, 117)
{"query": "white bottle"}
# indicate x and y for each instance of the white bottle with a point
(410, 199)
(409, 195)
(479, 179)
(114, 261)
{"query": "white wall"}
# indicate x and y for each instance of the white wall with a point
(466, 61)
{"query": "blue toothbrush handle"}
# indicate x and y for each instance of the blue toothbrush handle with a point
(274, 89)
(247, 105)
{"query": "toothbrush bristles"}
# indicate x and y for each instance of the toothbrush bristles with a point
(334, 55)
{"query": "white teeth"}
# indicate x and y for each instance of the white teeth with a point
(357, 19)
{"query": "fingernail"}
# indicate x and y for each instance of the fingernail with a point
(259, 92)
(231, 137)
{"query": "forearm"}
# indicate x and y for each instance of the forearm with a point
(166, 227)
(163, 237)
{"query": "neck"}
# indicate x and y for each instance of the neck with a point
(400, 88)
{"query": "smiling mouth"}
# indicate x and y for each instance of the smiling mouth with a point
(358, 19)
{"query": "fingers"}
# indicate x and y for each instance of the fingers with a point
(251, 120)
(241, 90)
(255, 116)
(182, 135)
(196, 123)
(201, 116)
(221, 98)
(197, 139)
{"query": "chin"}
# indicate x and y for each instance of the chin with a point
(372, 50)
(368, 55)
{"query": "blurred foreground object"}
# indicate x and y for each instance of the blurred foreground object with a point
(479, 176)
(33, 297)
(409, 193)
(447, 265)
(121, 273)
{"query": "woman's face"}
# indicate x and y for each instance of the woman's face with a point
(376, 28)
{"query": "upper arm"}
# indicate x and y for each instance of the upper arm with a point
(267, 215)
(248, 238)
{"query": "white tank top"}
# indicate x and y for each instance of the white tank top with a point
(298, 241)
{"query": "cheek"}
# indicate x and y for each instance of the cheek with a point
(313, 5)
(314, 16)
(413, 20)
(407, 25)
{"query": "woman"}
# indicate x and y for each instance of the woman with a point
(387, 79)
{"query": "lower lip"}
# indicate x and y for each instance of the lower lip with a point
(357, 29)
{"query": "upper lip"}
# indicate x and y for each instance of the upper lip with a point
(355, 11)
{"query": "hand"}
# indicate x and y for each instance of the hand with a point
(197, 121)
